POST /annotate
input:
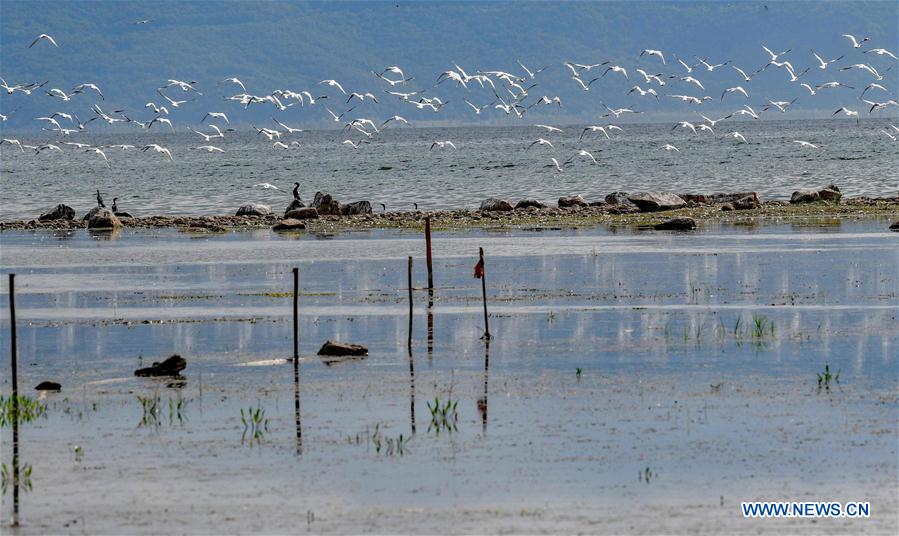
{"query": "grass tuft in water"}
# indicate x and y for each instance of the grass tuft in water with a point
(29, 410)
(443, 416)
(255, 425)
(826, 377)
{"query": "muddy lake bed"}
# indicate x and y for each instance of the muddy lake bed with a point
(639, 382)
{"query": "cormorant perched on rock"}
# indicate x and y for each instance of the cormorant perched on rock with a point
(416, 205)
(115, 209)
(99, 200)
(383, 207)
(296, 191)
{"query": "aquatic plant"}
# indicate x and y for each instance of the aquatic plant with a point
(391, 446)
(761, 326)
(177, 411)
(29, 410)
(577, 373)
(825, 378)
(151, 407)
(255, 425)
(7, 478)
(645, 475)
(443, 415)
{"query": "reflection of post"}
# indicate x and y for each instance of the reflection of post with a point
(482, 403)
(411, 390)
(430, 329)
(296, 331)
(428, 256)
(15, 402)
(296, 404)
(410, 305)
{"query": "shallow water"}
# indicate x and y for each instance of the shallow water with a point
(399, 170)
(679, 413)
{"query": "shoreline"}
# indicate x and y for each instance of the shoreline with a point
(769, 212)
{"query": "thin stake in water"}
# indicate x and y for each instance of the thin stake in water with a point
(479, 274)
(428, 257)
(410, 304)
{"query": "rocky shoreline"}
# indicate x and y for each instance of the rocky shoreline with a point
(572, 212)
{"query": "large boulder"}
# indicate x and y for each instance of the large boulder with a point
(529, 203)
(103, 219)
(655, 201)
(170, 367)
(92, 212)
(572, 201)
(289, 224)
(827, 193)
(254, 209)
(677, 224)
(305, 213)
(493, 204)
(356, 208)
(59, 212)
(895, 226)
(618, 198)
(295, 204)
(325, 204)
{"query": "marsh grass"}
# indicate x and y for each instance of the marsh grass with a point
(255, 424)
(153, 407)
(7, 478)
(826, 377)
(443, 416)
(29, 410)
(389, 446)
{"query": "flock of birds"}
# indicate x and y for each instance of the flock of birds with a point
(510, 93)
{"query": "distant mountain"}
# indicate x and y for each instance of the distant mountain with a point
(293, 45)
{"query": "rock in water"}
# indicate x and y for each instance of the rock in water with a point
(59, 212)
(804, 196)
(828, 193)
(90, 214)
(48, 386)
(656, 201)
(305, 213)
(895, 226)
(170, 367)
(356, 208)
(254, 209)
(746, 203)
(618, 198)
(493, 204)
(103, 219)
(325, 204)
(572, 201)
(123, 215)
(528, 203)
(677, 224)
(335, 348)
(289, 224)
(342, 349)
(295, 204)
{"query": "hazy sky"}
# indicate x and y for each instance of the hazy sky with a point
(294, 45)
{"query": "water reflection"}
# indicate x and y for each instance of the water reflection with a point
(296, 405)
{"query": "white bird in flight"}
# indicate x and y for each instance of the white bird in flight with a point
(541, 141)
(43, 37)
(806, 144)
(855, 42)
(822, 63)
(159, 149)
(333, 83)
(650, 52)
(443, 144)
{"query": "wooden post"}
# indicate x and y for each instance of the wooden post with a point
(428, 255)
(484, 294)
(410, 304)
(296, 329)
(15, 401)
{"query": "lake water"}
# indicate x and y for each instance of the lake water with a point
(398, 168)
(636, 382)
